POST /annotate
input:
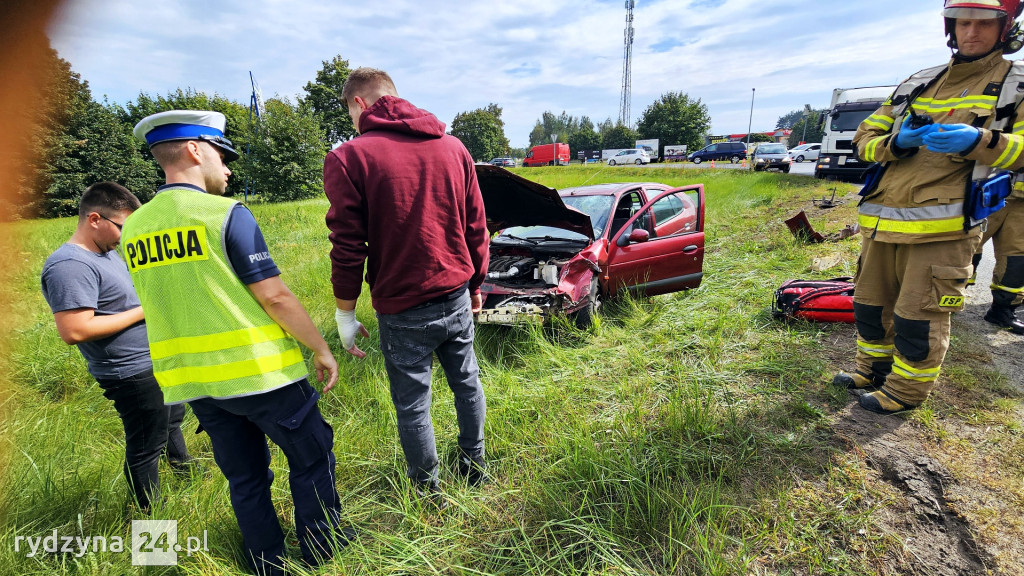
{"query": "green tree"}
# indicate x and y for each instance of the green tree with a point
(323, 96)
(78, 142)
(95, 146)
(286, 159)
(482, 132)
(808, 117)
(675, 119)
(620, 136)
(584, 137)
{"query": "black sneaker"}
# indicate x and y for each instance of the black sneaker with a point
(187, 467)
(474, 470)
(1004, 317)
(430, 493)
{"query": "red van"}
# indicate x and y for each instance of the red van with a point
(548, 155)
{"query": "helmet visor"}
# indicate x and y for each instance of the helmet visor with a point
(973, 13)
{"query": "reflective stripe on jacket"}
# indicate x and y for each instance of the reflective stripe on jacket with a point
(920, 197)
(208, 335)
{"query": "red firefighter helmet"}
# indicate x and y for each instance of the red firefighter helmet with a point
(1007, 10)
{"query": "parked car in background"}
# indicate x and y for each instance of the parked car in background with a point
(636, 156)
(731, 151)
(804, 152)
(504, 162)
(770, 156)
(565, 252)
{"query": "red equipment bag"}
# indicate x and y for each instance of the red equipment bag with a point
(816, 300)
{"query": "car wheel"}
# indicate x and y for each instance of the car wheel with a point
(697, 160)
(611, 162)
(584, 317)
(799, 158)
(735, 159)
(785, 170)
(639, 162)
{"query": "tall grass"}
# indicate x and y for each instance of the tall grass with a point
(684, 434)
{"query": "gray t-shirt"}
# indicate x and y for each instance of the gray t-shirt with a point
(74, 277)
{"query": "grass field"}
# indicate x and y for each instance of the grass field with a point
(684, 434)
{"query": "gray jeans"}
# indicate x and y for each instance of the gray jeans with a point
(408, 341)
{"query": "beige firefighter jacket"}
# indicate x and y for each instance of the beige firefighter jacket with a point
(921, 194)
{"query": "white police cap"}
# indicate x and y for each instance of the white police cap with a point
(186, 125)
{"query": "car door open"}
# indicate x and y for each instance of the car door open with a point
(661, 247)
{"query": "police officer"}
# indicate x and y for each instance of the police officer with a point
(222, 335)
(917, 242)
(1006, 229)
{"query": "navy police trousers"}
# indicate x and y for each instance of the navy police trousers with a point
(238, 429)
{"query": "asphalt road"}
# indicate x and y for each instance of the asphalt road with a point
(806, 168)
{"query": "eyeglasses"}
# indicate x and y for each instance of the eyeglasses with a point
(111, 221)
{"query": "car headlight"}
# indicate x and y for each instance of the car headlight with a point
(787, 159)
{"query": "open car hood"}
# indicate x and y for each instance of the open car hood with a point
(511, 200)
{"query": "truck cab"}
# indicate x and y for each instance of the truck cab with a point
(837, 159)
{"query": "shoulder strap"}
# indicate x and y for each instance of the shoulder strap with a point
(912, 87)
(1011, 93)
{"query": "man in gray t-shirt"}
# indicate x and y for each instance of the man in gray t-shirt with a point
(95, 307)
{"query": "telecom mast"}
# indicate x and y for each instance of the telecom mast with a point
(627, 57)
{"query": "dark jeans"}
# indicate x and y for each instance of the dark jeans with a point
(150, 426)
(238, 429)
(408, 341)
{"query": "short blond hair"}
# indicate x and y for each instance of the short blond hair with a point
(369, 84)
(168, 153)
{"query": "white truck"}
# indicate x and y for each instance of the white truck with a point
(850, 106)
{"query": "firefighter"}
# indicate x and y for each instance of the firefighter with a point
(918, 231)
(1006, 229)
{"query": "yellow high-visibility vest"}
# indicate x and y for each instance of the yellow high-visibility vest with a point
(208, 336)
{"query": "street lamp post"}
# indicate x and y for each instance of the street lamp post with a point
(807, 109)
(751, 121)
(554, 150)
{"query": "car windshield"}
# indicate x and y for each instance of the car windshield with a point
(597, 207)
(771, 149)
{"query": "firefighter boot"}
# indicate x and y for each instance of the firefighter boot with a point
(1003, 316)
(881, 403)
(857, 383)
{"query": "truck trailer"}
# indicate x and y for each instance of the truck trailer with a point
(837, 159)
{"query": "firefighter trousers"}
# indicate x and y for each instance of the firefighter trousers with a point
(1006, 229)
(902, 302)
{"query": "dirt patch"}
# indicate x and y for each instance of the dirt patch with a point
(959, 514)
(937, 540)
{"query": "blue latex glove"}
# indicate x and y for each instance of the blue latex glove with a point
(912, 137)
(952, 138)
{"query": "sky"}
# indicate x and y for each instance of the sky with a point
(527, 57)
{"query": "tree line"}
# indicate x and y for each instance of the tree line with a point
(77, 140)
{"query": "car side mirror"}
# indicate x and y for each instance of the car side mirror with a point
(638, 235)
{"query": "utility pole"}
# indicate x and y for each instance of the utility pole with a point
(751, 121)
(807, 109)
(627, 57)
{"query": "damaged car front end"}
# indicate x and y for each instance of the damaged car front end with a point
(560, 252)
(544, 260)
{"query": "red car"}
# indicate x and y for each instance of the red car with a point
(563, 252)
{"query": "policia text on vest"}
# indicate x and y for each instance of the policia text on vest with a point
(187, 244)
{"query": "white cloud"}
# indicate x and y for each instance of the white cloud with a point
(526, 57)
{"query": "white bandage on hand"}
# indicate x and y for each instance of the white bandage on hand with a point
(348, 327)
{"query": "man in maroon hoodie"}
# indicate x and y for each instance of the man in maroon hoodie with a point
(405, 200)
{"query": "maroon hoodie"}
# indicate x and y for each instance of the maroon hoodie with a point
(404, 199)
